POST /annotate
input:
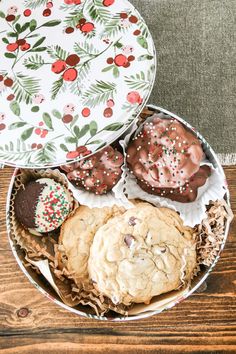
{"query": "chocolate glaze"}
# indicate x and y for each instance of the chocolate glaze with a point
(98, 173)
(185, 194)
(25, 203)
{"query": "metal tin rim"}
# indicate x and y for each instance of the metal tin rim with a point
(140, 316)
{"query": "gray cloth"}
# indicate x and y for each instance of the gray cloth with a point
(196, 75)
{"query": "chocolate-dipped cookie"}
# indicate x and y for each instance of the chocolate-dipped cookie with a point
(97, 174)
(42, 205)
(164, 156)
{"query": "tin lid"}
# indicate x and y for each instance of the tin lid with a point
(74, 74)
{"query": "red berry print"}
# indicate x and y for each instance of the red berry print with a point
(123, 15)
(69, 2)
(21, 41)
(87, 27)
(33, 146)
(10, 18)
(72, 155)
(67, 118)
(127, 65)
(82, 21)
(40, 124)
(134, 97)
(77, 2)
(44, 133)
(137, 33)
(69, 30)
(47, 12)
(133, 19)
(10, 97)
(39, 146)
(27, 12)
(70, 75)
(108, 2)
(1, 78)
(108, 112)
(38, 131)
(131, 58)
(110, 61)
(8, 82)
(82, 150)
(120, 60)
(12, 47)
(73, 60)
(49, 5)
(59, 66)
(2, 126)
(86, 112)
(110, 103)
(25, 47)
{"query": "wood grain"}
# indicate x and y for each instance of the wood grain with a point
(204, 323)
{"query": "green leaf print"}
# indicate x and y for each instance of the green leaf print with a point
(15, 108)
(34, 62)
(64, 147)
(52, 23)
(77, 131)
(56, 52)
(83, 131)
(27, 134)
(17, 125)
(47, 120)
(32, 25)
(57, 114)
(70, 140)
(39, 42)
(57, 87)
(114, 127)
(99, 92)
(46, 154)
(25, 88)
(98, 11)
(33, 4)
(93, 127)
(10, 55)
(143, 42)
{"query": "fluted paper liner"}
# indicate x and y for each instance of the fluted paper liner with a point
(191, 213)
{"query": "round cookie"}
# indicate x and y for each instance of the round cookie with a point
(42, 205)
(76, 237)
(164, 156)
(143, 253)
(97, 174)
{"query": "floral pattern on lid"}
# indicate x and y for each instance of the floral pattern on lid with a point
(74, 74)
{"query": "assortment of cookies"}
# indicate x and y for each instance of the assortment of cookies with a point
(123, 255)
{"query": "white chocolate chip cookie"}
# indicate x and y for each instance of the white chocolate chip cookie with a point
(76, 238)
(143, 253)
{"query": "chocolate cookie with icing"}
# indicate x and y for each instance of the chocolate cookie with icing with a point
(42, 205)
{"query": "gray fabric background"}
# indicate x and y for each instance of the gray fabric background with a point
(196, 76)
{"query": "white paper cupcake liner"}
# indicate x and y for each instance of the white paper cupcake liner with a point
(191, 213)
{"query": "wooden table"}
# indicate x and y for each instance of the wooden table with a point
(204, 323)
